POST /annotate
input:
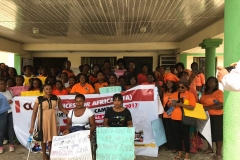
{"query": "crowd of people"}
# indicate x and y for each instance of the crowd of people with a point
(174, 88)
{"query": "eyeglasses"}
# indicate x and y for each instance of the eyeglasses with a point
(181, 87)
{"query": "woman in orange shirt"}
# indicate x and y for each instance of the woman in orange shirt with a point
(60, 90)
(170, 87)
(212, 101)
(181, 131)
(142, 76)
(72, 81)
(83, 87)
(93, 77)
(67, 66)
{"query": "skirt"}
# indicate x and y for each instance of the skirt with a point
(217, 127)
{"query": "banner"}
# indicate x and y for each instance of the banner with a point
(18, 89)
(115, 143)
(72, 146)
(142, 101)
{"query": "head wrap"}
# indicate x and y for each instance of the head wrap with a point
(170, 77)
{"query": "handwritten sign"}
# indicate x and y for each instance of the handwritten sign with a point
(18, 89)
(115, 143)
(72, 146)
(159, 132)
(114, 89)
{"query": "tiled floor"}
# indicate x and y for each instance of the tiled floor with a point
(20, 153)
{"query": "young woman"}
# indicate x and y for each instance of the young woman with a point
(10, 131)
(60, 90)
(43, 72)
(72, 81)
(180, 130)
(212, 101)
(64, 79)
(52, 80)
(112, 80)
(67, 66)
(133, 82)
(117, 116)
(179, 67)
(19, 80)
(36, 84)
(120, 70)
(49, 119)
(28, 73)
(12, 72)
(83, 87)
(142, 77)
(93, 77)
(170, 88)
(11, 82)
(107, 69)
(79, 117)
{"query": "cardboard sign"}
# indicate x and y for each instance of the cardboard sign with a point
(114, 89)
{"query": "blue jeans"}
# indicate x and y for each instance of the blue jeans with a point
(3, 126)
(10, 129)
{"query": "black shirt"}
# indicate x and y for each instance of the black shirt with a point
(118, 119)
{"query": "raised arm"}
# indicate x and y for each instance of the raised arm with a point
(61, 107)
(34, 115)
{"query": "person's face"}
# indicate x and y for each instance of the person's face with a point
(64, 77)
(182, 88)
(122, 82)
(185, 75)
(145, 69)
(100, 76)
(169, 84)
(117, 102)
(72, 81)
(107, 65)
(172, 69)
(50, 80)
(79, 102)
(150, 78)
(179, 68)
(161, 70)
(131, 65)
(59, 85)
(35, 84)
(194, 67)
(68, 65)
(19, 81)
(120, 65)
(28, 71)
(11, 71)
(112, 80)
(85, 69)
(10, 83)
(133, 81)
(43, 71)
(96, 69)
(211, 83)
(3, 66)
(53, 71)
(3, 85)
(47, 90)
(82, 79)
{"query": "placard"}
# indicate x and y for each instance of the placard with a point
(72, 146)
(115, 143)
(113, 89)
(18, 89)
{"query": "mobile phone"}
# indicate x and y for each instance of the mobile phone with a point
(230, 68)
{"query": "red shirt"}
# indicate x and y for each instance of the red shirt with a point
(62, 92)
(141, 78)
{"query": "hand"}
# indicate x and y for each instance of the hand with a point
(130, 125)
(234, 64)
(90, 136)
(178, 104)
(221, 73)
(31, 131)
(160, 116)
(10, 101)
(65, 132)
(206, 108)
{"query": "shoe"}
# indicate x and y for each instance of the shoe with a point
(1, 150)
(11, 148)
(5, 142)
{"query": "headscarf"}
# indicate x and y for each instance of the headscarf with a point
(170, 77)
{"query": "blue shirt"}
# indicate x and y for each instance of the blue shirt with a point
(4, 106)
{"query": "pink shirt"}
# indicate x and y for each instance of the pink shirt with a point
(120, 72)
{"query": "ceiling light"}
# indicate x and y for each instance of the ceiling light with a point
(143, 29)
(35, 30)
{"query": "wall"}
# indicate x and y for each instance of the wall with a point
(10, 46)
(75, 57)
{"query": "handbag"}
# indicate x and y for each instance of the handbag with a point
(38, 135)
(189, 121)
(76, 128)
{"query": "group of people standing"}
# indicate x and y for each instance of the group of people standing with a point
(174, 88)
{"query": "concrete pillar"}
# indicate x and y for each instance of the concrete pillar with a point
(210, 46)
(231, 127)
(17, 63)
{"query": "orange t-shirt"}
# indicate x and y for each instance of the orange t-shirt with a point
(208, 100)
(92, 79)
(166, 96)
(141, 78)
(177, 113)
(199, 79)
(193, 90)
(62, 92)
(69, 73)
(69, 89)
(98, 85)
(86, 89)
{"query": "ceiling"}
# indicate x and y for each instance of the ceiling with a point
(106, 21)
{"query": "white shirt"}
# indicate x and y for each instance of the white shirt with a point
(9, 95)
(82, 120)
(66, 84)
(230, 81)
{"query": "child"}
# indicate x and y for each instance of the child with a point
(52, 80)
(122, 82)
(19, 80)
(100, 81)
(60, 89)
(64, 79)
(112, 80)
(36, 84)
(10, 82)
(9, 126)
(72, 81)
(93, 77)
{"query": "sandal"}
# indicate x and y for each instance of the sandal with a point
(217, 156)
(207, 151)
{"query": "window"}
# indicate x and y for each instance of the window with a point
(167, 61)
(98, 60)
(201, 63)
